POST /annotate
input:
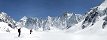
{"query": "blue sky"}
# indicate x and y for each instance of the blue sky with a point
(43, 8)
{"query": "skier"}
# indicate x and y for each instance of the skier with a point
(19, 31)
(30, 31)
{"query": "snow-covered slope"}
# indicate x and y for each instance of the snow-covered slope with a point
(4, 27)
(103, 5)
(53, 36)
(94, 15)
(7, 19)
(95, 20)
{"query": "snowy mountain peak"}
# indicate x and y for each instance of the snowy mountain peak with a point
(93, 16)
(103, 5)
(3, 13)
(49, 17)
(24, 18)
(68, 14)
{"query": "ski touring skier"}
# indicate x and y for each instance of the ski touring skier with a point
(31, 31)
(19, 31)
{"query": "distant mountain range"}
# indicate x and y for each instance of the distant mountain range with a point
(95, 19)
